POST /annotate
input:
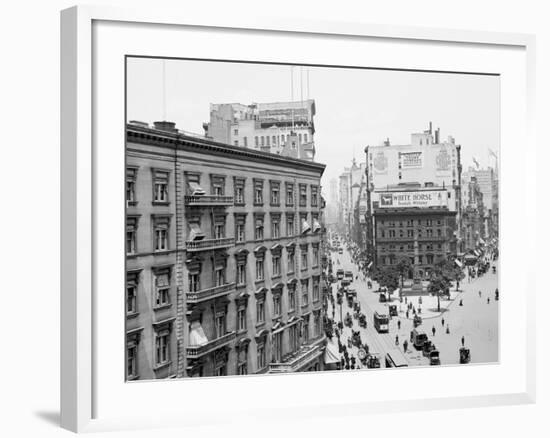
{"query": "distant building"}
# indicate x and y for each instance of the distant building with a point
(426, 164)
(344, 200)
(223, 258)
(473, 217)
(284, 128)
(487, 181)
(332, 203)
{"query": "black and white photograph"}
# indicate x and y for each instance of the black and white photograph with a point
(290, 218)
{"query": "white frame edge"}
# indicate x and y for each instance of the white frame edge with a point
(77, 199)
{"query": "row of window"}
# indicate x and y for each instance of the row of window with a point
(273, 140)
(162, 278)
(429, 232)
(220, 276)
(410, 247)
(417, 260)
(275, 229)
(409, 223)
(298, 334)
(161, 177)
(161, 228)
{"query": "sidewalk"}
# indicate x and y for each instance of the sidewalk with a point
(427, 304)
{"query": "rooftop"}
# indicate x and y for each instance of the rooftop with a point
(165, 134)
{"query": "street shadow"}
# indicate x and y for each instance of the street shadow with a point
(434, 310)
(51, 417)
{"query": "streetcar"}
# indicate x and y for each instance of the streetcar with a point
(340, 274)
(348, 275)
(381, 322)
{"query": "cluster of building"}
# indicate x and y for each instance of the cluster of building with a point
(224, 244)
(414, 200)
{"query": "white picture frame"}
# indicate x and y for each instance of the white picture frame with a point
(81, 375)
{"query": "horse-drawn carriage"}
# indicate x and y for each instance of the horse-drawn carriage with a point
(373, 360)
(427, 348)
(432, 353)
(434, 357)
(347, 320)
(362, 320)
(464, 355)
(356, 339)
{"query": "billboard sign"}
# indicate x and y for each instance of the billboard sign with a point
(424, 198)
(380, 163)
(411, 160)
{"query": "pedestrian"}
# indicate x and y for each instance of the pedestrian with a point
(460, 303)
(488, 300)
(433, 330)
(405, 346)
(448, 331)
(407, 314)
(479, 294)
(405, 300)
(462, 340)
(412, 335)
(398, 324)
(396, 340)
(442, 322)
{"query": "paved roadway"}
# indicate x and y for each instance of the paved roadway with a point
(476, 320)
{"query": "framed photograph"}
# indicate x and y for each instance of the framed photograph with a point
(265, 214)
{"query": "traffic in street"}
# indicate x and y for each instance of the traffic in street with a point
(468, 320)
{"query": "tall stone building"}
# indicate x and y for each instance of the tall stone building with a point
(413, 222)
(223, 258)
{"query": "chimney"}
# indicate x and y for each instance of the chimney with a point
(437, 136)
(165, 126)
(431, 128)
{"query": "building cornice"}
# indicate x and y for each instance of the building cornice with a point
(178, 141)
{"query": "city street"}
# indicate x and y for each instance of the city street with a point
(476, 320)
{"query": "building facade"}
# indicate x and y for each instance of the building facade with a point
(428, 163)
(223, 258)
(474, 217)
(415, 223)
(284, 128)
(487, 183)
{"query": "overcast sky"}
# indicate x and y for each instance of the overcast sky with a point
(355, 107)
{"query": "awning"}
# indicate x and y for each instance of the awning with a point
(481, 241)
(369, 265)
(195, 189)
(305, 227)
(316, 225)
(331, 353)
(196, 232)
(197, 337)
(459, 263)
